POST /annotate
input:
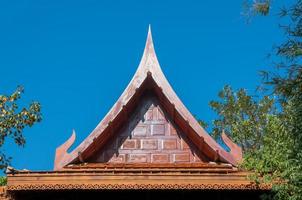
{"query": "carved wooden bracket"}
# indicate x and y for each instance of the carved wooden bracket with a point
(61, 151)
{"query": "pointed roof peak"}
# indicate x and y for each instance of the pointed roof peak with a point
(149, 32)
(149, 28)
(149, 61)
(149, 42)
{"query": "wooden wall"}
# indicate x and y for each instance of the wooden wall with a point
(149, 137)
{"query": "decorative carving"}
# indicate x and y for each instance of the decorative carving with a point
(140, 187)
(61, 151)
(235, 150)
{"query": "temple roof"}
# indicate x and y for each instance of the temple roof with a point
(148, 76)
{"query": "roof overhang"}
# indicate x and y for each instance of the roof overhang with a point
(129, 177)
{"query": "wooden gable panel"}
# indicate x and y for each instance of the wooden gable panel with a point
(149, 136)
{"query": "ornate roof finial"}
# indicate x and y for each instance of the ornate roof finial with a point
(149, 29)
(149, 37)
(149, 48)
(149, 61)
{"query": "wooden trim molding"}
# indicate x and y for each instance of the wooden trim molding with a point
(132, 180)
(138, 187)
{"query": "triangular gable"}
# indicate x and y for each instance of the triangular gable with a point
(148, 74)
(149, 136)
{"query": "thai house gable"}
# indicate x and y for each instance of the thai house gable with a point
(148, 84)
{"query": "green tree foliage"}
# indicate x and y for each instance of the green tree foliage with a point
(288, 87)
(242, 117)
(13, 120)
(3, 181)
(270, 131)
(252, 8)
(264, 134)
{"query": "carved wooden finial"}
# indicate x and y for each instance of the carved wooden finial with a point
(61, 151)
(235, 150)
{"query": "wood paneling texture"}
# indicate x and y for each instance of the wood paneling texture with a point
(150, 136)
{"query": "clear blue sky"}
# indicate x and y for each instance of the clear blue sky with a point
(76, 58)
